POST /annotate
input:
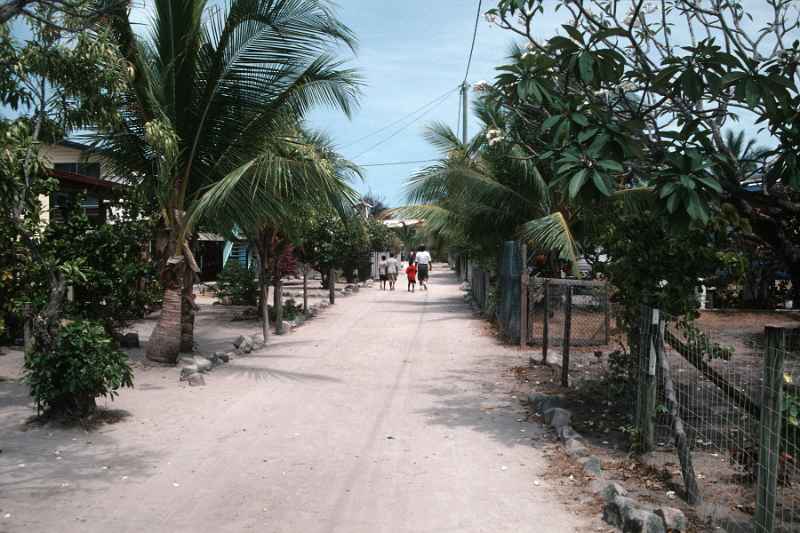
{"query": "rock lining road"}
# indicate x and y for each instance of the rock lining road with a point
(387, 414)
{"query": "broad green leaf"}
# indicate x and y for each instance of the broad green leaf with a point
(711, 183)
(585, 63)
(611, 165)
(579, 119)
(732, 77)
(601, 184)
(585, 135)
(573, 32)
(550, 122)
(577, 181)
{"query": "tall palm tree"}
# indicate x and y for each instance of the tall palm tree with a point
(210, 87)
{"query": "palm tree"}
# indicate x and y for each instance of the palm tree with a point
(297, 172)
(210, 88)
(480, 195)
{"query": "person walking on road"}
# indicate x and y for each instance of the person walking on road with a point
(392, 270)
(423, 259)
(411, 274)
(382, 272)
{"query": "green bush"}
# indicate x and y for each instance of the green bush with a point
(237, 284)
(83, 366)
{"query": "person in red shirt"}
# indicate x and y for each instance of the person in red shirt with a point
(411, 274)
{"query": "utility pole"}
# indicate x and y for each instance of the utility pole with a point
(464, 112)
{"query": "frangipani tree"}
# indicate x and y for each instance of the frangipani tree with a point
(640, 93)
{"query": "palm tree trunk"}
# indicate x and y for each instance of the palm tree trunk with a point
(188, 307)
(264, 305)
(305, 289)
(188, 311)
(278, 303)
(263, 280)
(165, 342)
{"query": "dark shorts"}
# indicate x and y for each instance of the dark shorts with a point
(383, 277)
(422, 272)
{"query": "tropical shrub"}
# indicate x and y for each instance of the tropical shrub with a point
(237, 284)
(83, 366)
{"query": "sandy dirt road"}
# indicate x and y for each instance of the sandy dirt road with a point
(385, 414)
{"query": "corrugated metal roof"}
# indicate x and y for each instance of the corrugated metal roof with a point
(208, 236)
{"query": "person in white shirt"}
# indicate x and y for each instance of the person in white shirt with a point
(392, 269)
(423, 259)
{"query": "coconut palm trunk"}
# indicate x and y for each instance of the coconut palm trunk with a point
(278, 303)
(188, 311)
(165, 342)
(263, 280)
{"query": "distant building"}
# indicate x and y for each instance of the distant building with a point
(78, 173)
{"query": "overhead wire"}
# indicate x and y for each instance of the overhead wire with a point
(474, 38)
(401, 119)
(396, 133)
(396, 163)
(422, 111)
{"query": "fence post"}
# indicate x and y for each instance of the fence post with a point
(567, 338)
(646, 404)
(770, 428)
(523, 299)
(681, 440)
(546, 321)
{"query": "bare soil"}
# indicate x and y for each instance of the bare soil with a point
(722, 436)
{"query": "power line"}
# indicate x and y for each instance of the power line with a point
(474, 37)
(398, 121)
(395, 163)
(396, 133)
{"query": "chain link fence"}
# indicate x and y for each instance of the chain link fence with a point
(552, 301)
(730, 413)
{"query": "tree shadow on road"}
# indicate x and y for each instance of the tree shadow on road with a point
(262, 374)
(481, 400)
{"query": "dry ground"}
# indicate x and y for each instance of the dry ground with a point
(389, 413)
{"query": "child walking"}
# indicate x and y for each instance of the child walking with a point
(411, 274)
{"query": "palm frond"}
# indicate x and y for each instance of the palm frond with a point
(552, 232)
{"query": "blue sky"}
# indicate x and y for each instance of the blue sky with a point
(410, 52)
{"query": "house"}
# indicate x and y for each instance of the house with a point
(78, 172)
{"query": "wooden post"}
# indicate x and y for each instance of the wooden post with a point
(770, 429)
(332, 285)
(523, 299)
(305, 289)
(681, 441)
(646, 404)
(546, 322)
(567, 338)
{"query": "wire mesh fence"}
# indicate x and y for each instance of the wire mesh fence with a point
(730, 413)
(551, 302)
